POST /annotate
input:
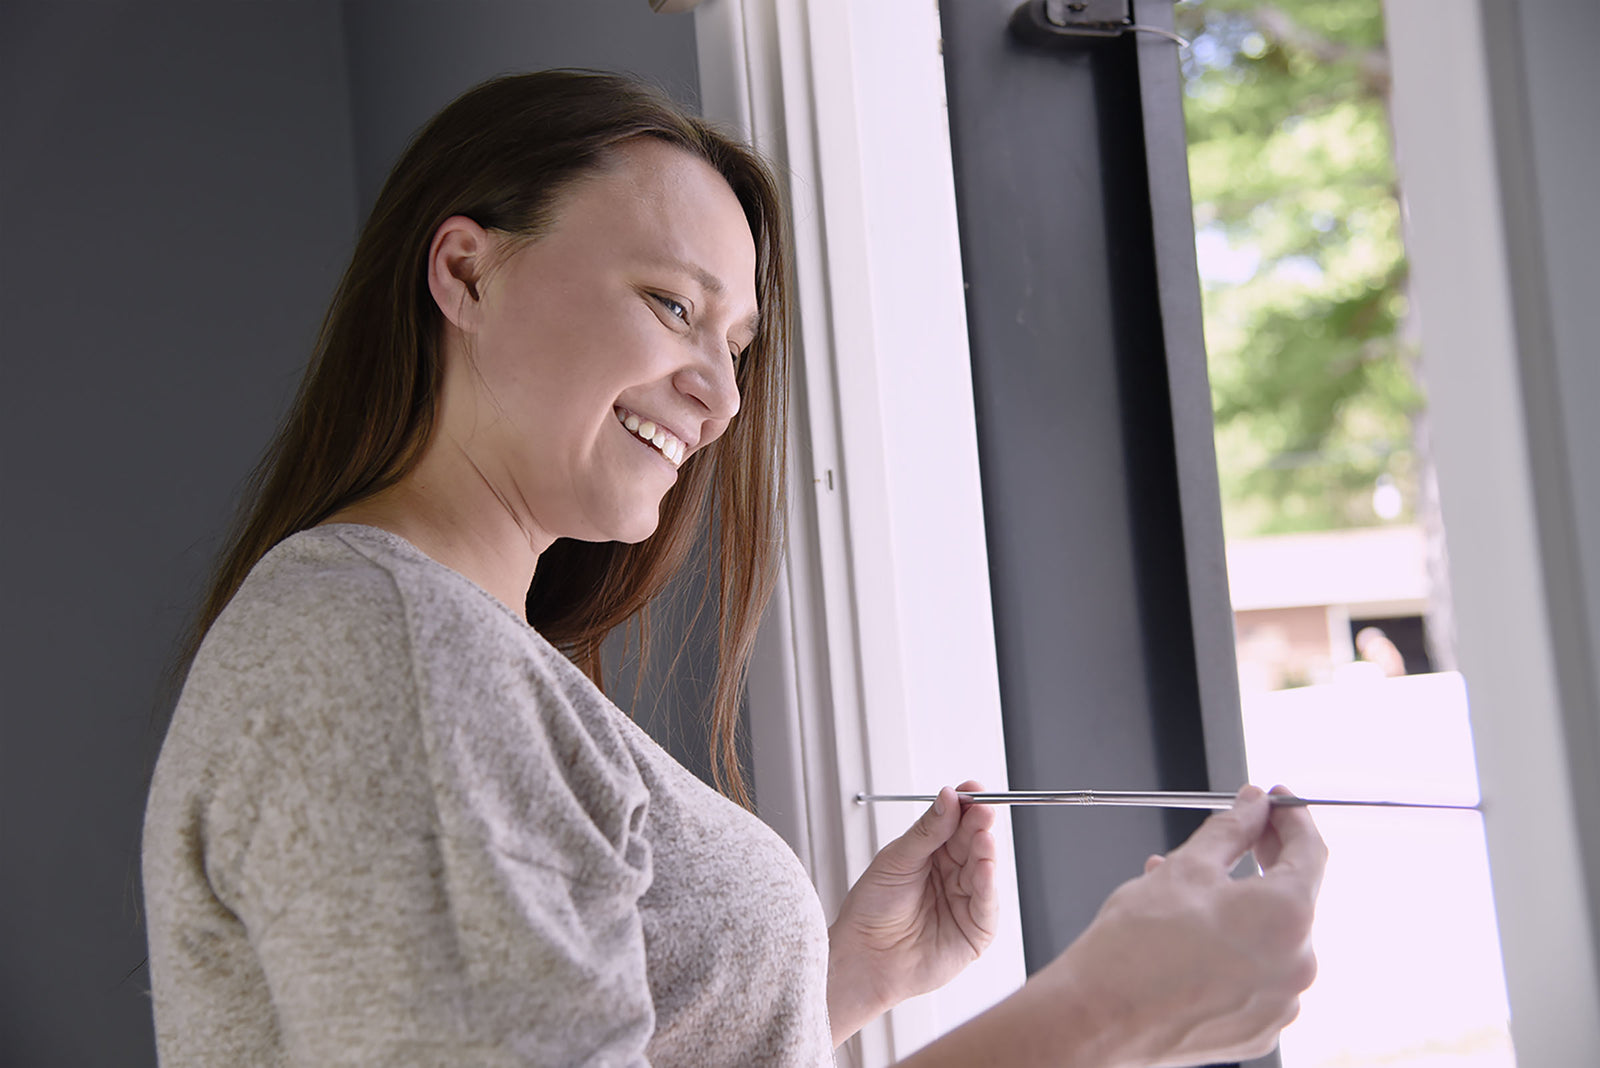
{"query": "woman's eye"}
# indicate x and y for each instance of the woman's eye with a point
(674, 308)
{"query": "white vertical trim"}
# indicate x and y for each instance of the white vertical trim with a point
(922, 428)
(1458, 242)
(896, 685)
(1340, 642)
(719, 42)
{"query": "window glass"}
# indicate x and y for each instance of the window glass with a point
(1336, 548)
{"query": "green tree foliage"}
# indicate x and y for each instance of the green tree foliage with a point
(1314, 384)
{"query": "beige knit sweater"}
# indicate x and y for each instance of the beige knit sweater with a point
(391, 825)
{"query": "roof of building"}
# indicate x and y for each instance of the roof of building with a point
(1378, 565)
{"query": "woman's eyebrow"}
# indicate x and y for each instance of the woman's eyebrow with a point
(711, 284)
(752, 324)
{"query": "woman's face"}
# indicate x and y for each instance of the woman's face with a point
(623, 320)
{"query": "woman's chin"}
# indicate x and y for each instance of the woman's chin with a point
(633, 530)
(626, 520)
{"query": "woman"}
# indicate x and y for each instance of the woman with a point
(396, 822)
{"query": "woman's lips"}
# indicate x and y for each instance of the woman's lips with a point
(663, 440)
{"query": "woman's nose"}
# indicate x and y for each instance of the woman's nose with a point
(712, 380)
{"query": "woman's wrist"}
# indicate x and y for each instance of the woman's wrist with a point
(1050, 1021)
(1055, 1019)
(854, 999)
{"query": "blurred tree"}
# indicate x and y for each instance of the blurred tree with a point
(1312, 350)
(1314, 384)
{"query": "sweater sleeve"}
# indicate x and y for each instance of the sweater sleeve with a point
(436, 855)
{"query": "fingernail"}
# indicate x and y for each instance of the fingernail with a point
(938, 803)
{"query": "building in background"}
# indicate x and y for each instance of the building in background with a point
(1300, 600)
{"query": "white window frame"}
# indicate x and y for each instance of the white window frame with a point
(876, 669)
(1469, 223)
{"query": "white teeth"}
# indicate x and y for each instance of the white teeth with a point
(668, 445)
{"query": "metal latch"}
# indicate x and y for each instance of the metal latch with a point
(1089, 18)
(1052, 20)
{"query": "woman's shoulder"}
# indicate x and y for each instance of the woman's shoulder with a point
(333, 591)
(353, 683)
(360, 568)
(344, 639)
(457, 631)
(347, 616)
(316, 631)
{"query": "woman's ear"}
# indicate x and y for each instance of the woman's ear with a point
(458, 260)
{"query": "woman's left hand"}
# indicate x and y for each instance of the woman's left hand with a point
(921, 912)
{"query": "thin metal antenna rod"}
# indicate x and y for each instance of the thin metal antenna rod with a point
(1146, 799)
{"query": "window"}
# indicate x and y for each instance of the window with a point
(1336, 543)
(892, 578)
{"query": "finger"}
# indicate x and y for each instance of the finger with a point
(933, 829)
(979, 878)
(1227, 836)
(973, 885)
(1300, 853)
(979, 863)
(1152, 862)
(974, 820)
(985, 814)
(1268, 847)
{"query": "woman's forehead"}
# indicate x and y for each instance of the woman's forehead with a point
(666, 191)
(656, 196)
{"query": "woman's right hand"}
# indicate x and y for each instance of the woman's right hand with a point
(1190, 966)
(1184, 965)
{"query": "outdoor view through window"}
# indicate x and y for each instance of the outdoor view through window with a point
(1336, 550)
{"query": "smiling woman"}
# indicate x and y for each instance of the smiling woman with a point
(547, 340)
(554, 256)
(493, 171)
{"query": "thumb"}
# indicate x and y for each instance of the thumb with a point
(933, 829)
(1227, 836)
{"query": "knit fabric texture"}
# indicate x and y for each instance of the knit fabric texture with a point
(392, 825)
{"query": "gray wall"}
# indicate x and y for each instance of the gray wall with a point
(409, 57)
(175, 200)
(179, 186)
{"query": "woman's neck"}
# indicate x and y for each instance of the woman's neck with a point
(456, 519)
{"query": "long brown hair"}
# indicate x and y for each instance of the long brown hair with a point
(501, 154)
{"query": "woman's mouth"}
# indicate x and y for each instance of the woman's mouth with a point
(651, 434)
